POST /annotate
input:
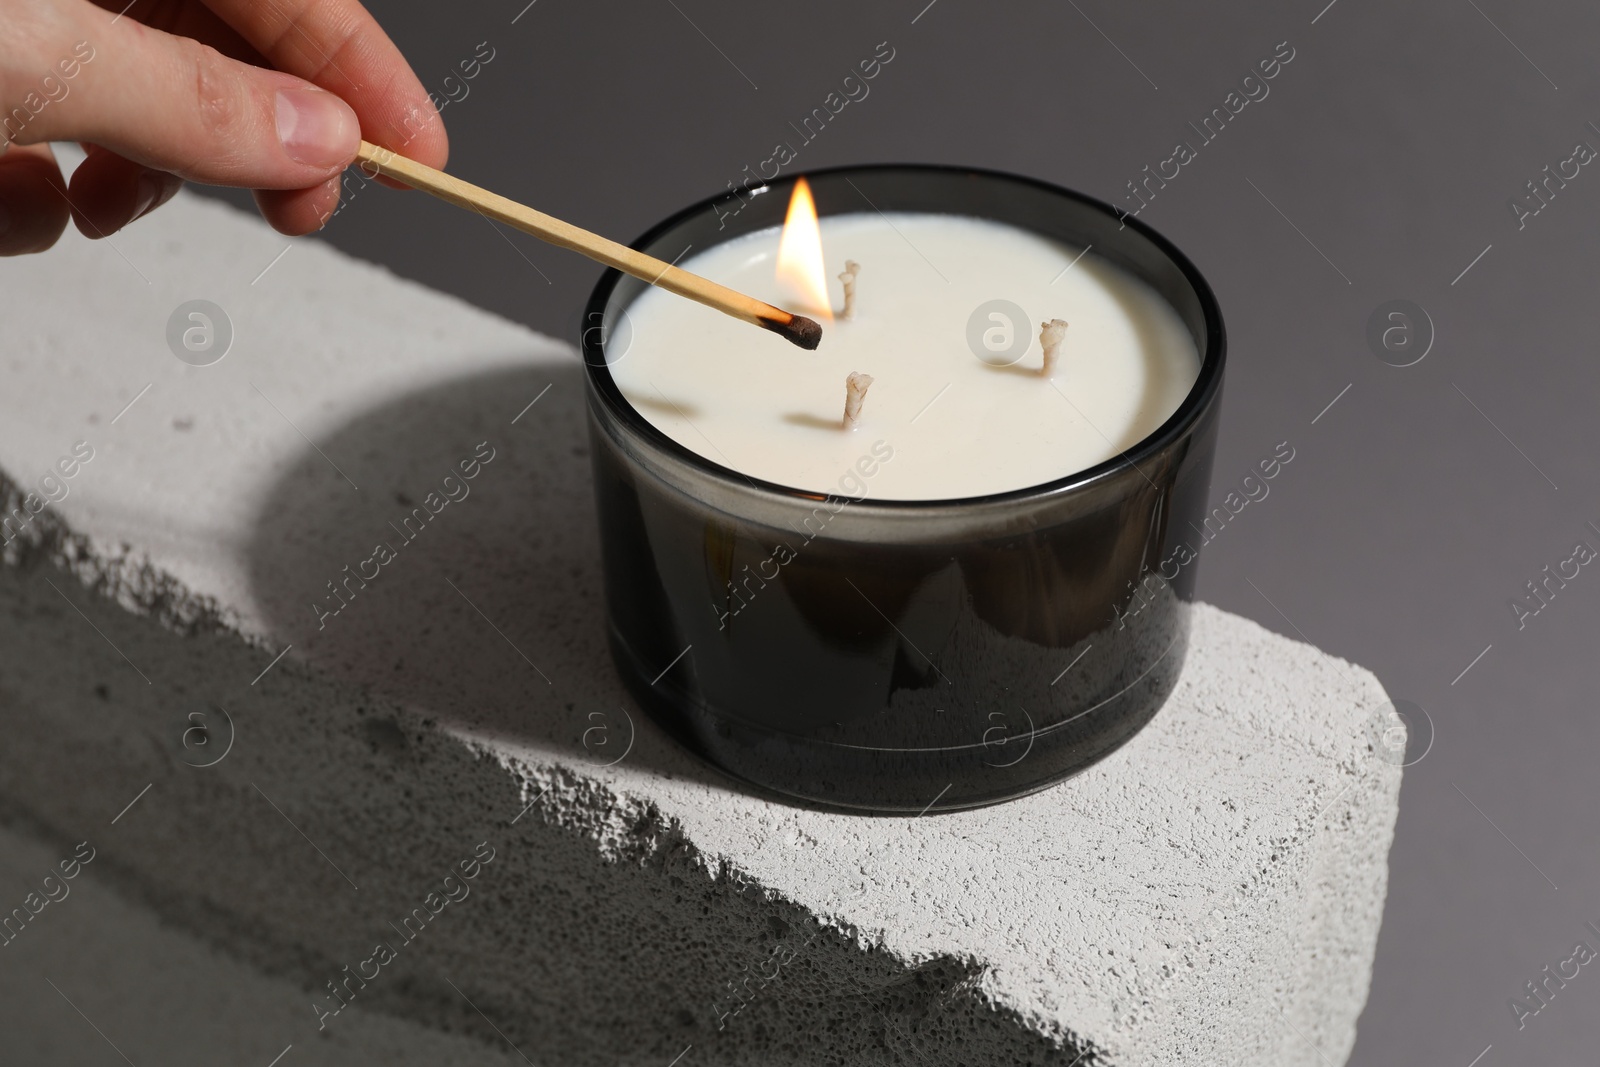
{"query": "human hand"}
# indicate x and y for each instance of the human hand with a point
(169, 90)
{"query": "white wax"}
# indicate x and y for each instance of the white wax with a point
(957, 426)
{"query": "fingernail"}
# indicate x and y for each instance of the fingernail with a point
(146, 190)
(316, 128)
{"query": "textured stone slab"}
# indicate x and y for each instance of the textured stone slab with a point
(1211, 893)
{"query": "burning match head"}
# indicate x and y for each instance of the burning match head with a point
(798, 330)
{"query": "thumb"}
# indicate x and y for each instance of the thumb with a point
(173, 104)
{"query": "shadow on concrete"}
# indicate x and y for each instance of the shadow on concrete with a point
(475, 600)
(597, 931)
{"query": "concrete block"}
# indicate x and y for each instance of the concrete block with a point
(308, 757)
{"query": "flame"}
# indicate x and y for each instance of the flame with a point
(800, 270)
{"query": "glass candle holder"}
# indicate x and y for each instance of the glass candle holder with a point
(908, 656)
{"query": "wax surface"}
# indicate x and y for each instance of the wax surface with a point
(957, 426)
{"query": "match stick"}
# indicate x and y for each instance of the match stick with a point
(794, 328)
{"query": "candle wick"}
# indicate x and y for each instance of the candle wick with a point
(851, 268)
(855, 392)
(1051, 334)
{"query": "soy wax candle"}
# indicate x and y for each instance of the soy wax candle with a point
(937, 562)
(965, 415)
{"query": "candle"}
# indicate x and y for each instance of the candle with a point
(906, 572)
(959, 425)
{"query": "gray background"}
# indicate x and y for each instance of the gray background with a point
(1416, 506)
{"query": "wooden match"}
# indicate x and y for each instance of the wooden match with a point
(797, 329)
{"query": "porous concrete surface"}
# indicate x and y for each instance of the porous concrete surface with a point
(1211, 893)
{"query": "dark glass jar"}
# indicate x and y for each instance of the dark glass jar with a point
(904, 656)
